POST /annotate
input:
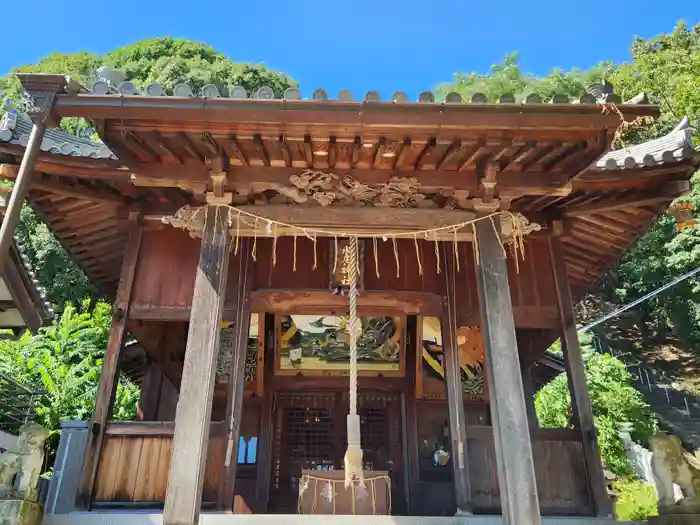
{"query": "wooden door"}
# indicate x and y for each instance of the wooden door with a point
(310, 433)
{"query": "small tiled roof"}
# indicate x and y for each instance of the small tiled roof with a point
(15, 129)
(673, 147)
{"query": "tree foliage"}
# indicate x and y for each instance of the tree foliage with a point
(617, 406)
(507, 77)
(168, 61)
(63, 362)
(667, 68)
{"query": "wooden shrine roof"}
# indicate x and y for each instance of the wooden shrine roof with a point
(548, 160)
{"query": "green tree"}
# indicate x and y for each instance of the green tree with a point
(507, 77)
(168, 61)
(617, 406)
(63, 362)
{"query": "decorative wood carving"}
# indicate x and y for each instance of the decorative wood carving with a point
(325, 189)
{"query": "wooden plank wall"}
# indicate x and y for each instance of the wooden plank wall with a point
(135, 461)
(559, 466)
(166, 270)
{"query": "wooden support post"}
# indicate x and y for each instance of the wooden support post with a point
(20, 189)
(453, 385)
(529, 391)
(516, 471)
(243, 268)
(580, 398)
(410, 418)
(110, 365)
(262, 482)
(183, 497)
(151, 388)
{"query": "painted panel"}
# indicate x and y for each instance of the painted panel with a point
(319, 345)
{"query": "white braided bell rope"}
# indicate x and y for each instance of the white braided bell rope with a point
(353, 323)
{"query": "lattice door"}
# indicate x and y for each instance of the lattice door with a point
(310, 432)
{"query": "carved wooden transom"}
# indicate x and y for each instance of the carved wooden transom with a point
(325, 189)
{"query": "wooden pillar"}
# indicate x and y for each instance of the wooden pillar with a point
(243, 268)
(516, 471)
(453, 385)
(183, 497)
(580, 398)
(41, 92)
(410, 417)
(151, 388)
(265, 443)
(110, 365)
(529, 391)
(20, 189)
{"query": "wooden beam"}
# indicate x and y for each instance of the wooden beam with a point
(666, 193)
(110, 364)
(243, 267)
(79, 192)
(371, 221)
(453, 387)
(183, 497)
(516, 471)
(261, 178)
(581, 401)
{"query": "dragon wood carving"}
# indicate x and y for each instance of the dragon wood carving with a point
(327, 188)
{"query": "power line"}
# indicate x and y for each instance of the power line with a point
(640, 300)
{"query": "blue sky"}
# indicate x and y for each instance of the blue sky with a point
(386, 45)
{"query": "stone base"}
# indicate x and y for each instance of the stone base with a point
(20, 512)
(675, 519)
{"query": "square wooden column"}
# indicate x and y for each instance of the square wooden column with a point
(109, 375)
(453, 386)
(580, 398)
(511, 435)
(183, 497)
(243, 268)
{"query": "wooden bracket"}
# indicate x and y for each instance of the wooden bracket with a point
(557, 228)
(219, 195)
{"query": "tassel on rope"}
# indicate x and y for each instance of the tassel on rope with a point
(274, 245)
(294, 256)
(238, 231)
(500, 241)
(454, 235)
(315, 254)
(376, 256)
(437, 254)
(396, 256)
(420, 264)
(353, 455)
(254, 252)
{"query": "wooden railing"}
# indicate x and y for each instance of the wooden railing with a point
(135, 460)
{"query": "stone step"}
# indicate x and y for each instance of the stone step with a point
(143, 518)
